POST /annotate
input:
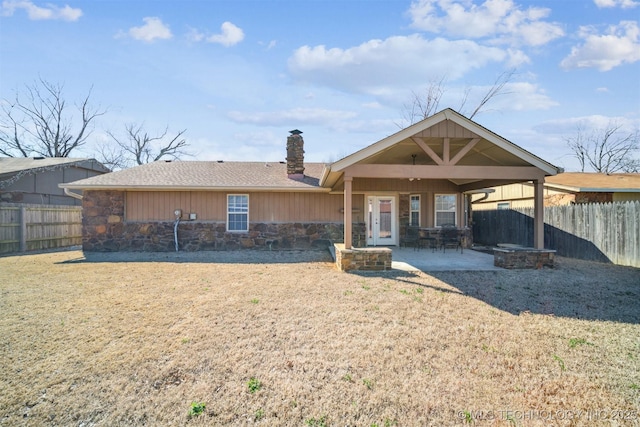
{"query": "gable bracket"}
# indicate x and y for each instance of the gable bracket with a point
(464, 151)
(428, 150)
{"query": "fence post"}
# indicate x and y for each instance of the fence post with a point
(23, 229)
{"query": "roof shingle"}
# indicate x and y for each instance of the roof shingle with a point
(205, 175)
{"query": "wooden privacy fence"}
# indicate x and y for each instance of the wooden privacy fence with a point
(608, 232)
(36, 227)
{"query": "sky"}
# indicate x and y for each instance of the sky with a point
(239, 74)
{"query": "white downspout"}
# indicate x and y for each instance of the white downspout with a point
(72, 194)
(175, 231)
(178, 214)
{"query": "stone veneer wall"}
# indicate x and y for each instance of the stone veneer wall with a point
(295, 155)
(528, 258)
(592, 197)
(102, 220)
(104, 230)
(362, 259)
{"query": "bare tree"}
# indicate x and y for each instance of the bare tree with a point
(606, 150)
(423, 105)
(496, 89)
(138, 147)
(39, 122)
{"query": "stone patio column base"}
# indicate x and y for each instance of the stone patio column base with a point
(363, 259)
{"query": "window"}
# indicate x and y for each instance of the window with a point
(414, 211)
(237, 212)
(446, 207)
(504, 205)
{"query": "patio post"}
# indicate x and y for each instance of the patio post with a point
(538, 215)
(348, 181)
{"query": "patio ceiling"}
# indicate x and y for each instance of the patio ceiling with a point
(483, 153)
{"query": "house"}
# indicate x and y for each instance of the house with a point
(422, 175)
(34, 180)
(563, 189)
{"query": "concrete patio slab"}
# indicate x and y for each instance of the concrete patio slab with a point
(408, 259)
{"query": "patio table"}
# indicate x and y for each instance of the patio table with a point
(431, 237)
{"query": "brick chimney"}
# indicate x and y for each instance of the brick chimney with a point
(295, 155)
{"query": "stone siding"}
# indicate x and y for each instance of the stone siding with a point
(295, 155)
(105, 230)
(201, 236)
(525, 258)
(593, 197)
(362, 259)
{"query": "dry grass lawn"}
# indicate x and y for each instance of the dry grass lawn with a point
(282, 342)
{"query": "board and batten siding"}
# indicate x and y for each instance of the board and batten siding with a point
(212, 206)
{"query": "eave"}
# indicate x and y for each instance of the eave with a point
(195, 188)
(590, 189)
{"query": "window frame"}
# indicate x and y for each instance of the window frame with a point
(503, 206)
(436, 210)
(412, 211)
(229, 213)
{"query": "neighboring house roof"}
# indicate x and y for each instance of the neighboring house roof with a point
(13, 168)
(205, 175)
(16, 164)
(509, 153)
(586, 182)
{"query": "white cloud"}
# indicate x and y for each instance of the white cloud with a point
(372, 105)
(517, 58)
(153, 29)
(624, 4)
(380, 67)
(501, 21)
(194, 35)
(619, 45)
(37, 13)
(231, 35)
(569, 125)
(515, 96)
(268, 46)
(602, 90)
(521, 96)
(297, 115)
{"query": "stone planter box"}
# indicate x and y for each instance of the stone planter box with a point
(523, 258)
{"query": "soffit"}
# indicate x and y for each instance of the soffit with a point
(483, 153)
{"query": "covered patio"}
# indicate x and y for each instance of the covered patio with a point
(422, 177)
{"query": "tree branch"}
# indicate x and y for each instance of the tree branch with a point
(45, 126)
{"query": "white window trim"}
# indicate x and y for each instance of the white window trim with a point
(228, 213)
(411, 211)
(435, 208)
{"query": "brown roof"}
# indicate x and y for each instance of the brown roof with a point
(210, 175)
(595, 182)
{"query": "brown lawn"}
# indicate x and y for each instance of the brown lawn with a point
(284, 342)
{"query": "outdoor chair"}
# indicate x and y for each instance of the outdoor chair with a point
(450, 236)
(412, 238)
(428, 240)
